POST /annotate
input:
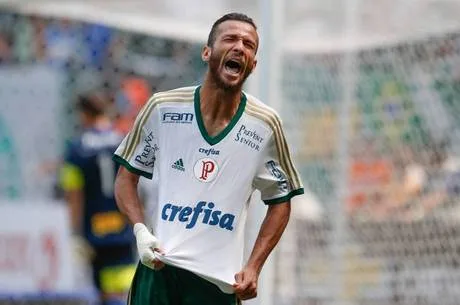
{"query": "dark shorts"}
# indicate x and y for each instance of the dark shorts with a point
(113, 268)
(175, 286)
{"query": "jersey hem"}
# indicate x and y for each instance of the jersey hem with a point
(224, 286)
(130, 168)
(285, 198)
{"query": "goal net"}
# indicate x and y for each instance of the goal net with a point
(382, 161)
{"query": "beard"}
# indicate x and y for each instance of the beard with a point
(214, 67)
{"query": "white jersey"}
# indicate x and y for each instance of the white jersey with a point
(205, 182)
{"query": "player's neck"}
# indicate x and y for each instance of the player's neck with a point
(218, 103)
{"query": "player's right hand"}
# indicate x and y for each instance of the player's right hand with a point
(147, 244)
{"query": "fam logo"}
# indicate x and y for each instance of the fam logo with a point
(203, 212)
(249, 137)
(205, 169)
(272, 167)
(177, 117)
(147, 156)
(210, 151)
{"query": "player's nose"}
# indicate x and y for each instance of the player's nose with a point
(238, 47)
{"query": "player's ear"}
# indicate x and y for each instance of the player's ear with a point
(206, 53)
(254, 64)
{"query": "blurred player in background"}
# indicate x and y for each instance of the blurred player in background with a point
(210, 146)
(87, 178)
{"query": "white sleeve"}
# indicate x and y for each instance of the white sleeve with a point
(137, 152)
(277, 179)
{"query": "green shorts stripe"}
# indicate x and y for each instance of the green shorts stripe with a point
(175, 286)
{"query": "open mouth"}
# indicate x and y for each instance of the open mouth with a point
(233, 66)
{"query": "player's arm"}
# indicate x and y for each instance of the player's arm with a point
(72, 183)
(270, 232)
(127, 197)
(278, 181)
(75, 199)
(136, 156)
(129, 203)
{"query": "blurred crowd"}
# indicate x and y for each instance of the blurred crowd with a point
(127, 66)
(404, 185)
(403, 144)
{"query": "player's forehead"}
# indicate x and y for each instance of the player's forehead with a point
(238, 28)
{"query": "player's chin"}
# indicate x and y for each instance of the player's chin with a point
(233, 84)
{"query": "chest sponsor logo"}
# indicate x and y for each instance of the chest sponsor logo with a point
(274, 170)
(178, 117)
(202, 213)
(209, 151)
(147, 156)
(249, 137)
(206, 169)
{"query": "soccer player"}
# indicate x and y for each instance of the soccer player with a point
(210, 146)
(87, 178)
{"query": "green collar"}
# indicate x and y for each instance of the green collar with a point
(216, 139)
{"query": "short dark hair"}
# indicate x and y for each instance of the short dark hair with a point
(226, 17)
(92, 104)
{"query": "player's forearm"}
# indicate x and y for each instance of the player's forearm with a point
(127, 197)
(270, 233)
(75, 201)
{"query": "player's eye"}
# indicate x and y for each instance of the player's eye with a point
(250, 45)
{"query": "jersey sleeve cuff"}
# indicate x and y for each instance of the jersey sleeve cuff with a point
(284, 198)
(130, 168)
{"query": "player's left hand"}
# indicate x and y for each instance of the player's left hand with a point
(245, 287)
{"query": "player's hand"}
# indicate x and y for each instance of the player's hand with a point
(245, 287)
(147, 244)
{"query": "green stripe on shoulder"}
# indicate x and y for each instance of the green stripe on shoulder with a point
(132, 169)
(176, 92)
(271, 117)
(261, 108)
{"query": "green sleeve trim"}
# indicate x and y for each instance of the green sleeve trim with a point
(285, 198)
(132, 169)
